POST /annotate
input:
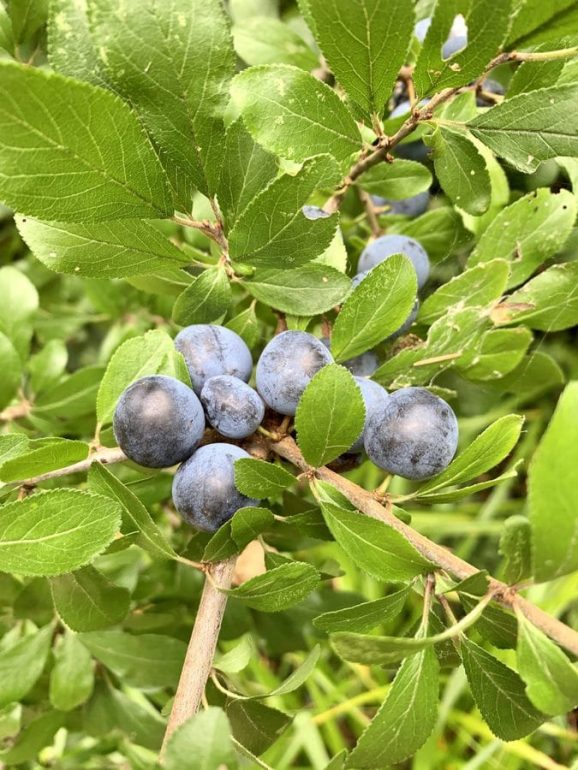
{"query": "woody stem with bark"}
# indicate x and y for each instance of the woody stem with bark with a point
(201, 650)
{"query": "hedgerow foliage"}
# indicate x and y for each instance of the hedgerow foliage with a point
(177, 162)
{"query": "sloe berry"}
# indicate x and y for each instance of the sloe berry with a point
(414, 434)
(158, 421)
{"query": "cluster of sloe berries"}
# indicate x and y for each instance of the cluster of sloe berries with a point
(159, 421)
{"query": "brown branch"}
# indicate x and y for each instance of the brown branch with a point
(442, 557)
(385, 144)
(369, 159)
(201, 650)
(15, 412)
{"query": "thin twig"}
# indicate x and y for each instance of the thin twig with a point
(365, 198)
(211, 230)
(428, 597)
(15, 412)
(201, 650)
(105, 456)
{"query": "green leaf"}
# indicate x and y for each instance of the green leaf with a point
(365, 616)
(37, 734)
(385, 650)
(551, 679)
(54, 532)
(365, 46)
(241, 10)
(140, 723)
(516, 548)
(476, 287)
(377, 548)
(553, 492)
(87, 601)
(21, 665)
(264, 40)
(6, 32)
(535, 17)
(338, 761)
(476, 584)
(12, 369)
(569, 73)
(70, 149)
(527, 232)
(204, 738)
(19, 304)
(306, 291)
(453, 338)
(496, 625)
(169, 282)
(255, 725)
(451, 495)
(404, 722)
(206, 300)
(151, 353)
(28, 16)
(529, 128)
(135, 516)
(440, 232)
(259, 479)
(57, 453)
(487, 450)
(73, 397)
(146, 661)
(499, 694)
(278, 588)
(500, 351)
(71, 49)
(290, 112)
(432, 74)
(398, 180)
(172, 61)
(330, 415)
(48, 365)
(273, 230)
(549, 302)
(299, 676)
(72, 678)
(221, 545)
(537, 374)
(248, 170)
(246, 326)
(376, 308)
(248, 523)
(461, 169)
(237, 658)
(12, 445)
(100, 249)
(532, 75)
